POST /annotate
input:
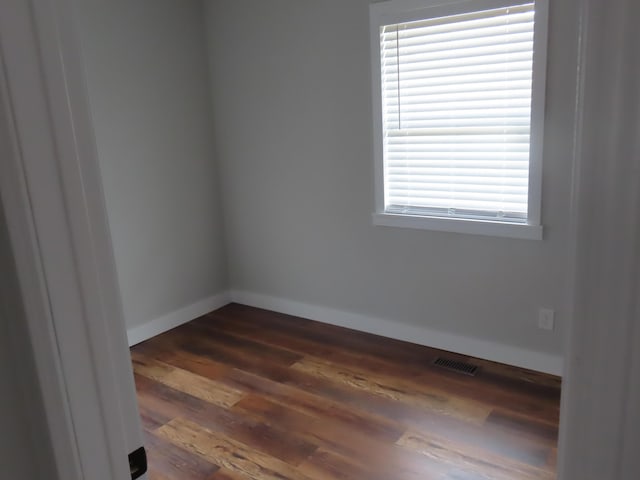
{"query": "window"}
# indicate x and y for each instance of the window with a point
(459, 107)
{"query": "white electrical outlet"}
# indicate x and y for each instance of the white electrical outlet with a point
(546, 318)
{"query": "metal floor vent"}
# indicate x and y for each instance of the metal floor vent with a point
(456, 366)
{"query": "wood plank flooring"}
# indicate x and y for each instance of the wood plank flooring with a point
(244, 393)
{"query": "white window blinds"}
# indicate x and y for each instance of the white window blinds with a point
(456, 101)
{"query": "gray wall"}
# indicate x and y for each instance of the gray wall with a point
(292, 108)
(148, 87)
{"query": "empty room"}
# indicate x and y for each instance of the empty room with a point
(339, 255)
(324, 239)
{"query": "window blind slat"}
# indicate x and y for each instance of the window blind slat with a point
(512, 79)
(458, 72)
(473, 186)
(488, 113)
(495, 61)
(464, 21)
(415, 36)
(400, 153)
(518, 40)
(457, 105)
(455, 203)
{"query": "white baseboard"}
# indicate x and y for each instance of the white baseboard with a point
(497, 352)
(176, 318)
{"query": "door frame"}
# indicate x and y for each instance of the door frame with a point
(54, 204)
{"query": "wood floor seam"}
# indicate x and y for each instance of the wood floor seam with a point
(248, 394)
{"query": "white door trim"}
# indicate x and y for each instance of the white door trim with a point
(35, 300)
(52, 194)
(600, 422)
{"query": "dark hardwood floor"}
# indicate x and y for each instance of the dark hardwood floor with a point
(244, 393)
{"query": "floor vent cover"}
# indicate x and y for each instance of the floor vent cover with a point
(456, 366)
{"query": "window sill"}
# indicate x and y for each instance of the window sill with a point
(460, 225)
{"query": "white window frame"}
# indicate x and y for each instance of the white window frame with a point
(399, 11)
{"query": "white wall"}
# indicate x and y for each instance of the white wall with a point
(148, 87)
(292, 108)
(290, 83)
